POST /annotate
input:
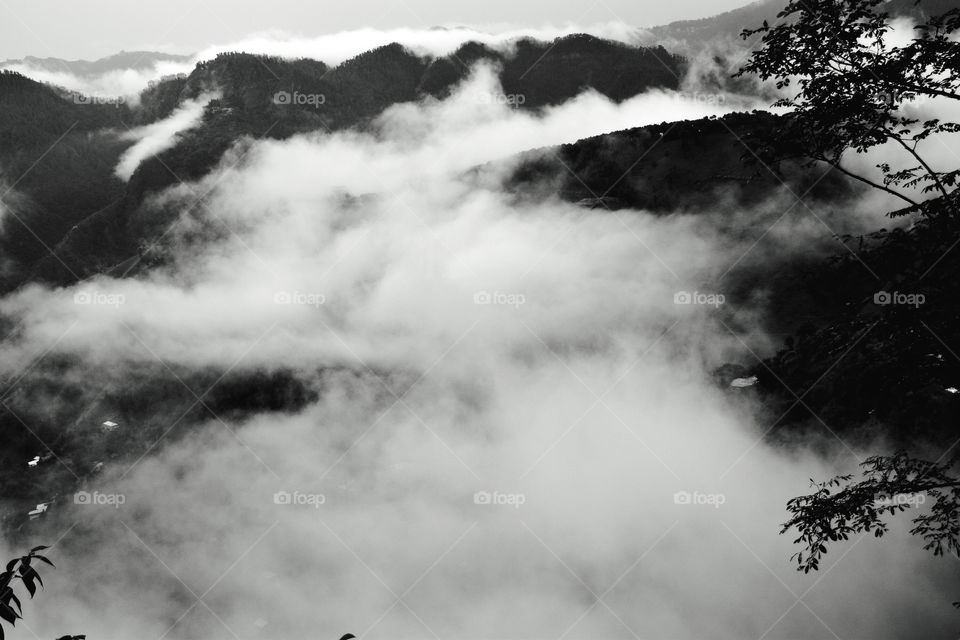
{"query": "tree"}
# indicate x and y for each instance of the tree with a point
(847, 86)
(890, 485)
(852, 84)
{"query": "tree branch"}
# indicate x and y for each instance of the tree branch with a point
(836, 165)
(930, 172)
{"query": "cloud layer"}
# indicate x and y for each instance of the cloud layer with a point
(510, 402)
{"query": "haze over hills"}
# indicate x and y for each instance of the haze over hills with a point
(352, 94)
(136, 60)
(403, 281)
(726, 27)
(681, 36)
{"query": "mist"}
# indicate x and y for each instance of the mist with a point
(155, 138)
(510, 410)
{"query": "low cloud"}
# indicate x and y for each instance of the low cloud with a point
(467, 351)
(160, 136)
(339, 47)
(126, 83)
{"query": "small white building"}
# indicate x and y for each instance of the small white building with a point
(39, 511)
(109, 426)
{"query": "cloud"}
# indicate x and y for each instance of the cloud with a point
(338, 47)
(126, 82)
(412, 145)
(160, 136)
(510, 402)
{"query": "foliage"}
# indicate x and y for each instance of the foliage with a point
(851, 88)
(854, 86)
(24, 570)
(827, 515)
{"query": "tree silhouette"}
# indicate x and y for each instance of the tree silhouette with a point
(852, 84)
(22, 569)
(890, 485)
(849, 89)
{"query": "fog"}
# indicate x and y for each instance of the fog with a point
(120, 82)
(466, 347)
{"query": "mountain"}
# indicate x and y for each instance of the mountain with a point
(52, 196)
(688, 165)
(136, 60)
(871, 363)
(697, 34)
(261, 97)
(95, 223)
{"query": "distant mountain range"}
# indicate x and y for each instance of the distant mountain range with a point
(685, 35)
(89, 217)
(85, 212)
(696, 34)
(136, 60)
(69, 217)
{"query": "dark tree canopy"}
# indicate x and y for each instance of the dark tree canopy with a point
(848, 84)
(849, 88)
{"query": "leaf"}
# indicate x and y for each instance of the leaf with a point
(28, 581)
(8, 614)
(16, 601)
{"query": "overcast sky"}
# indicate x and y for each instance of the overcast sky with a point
(95, 28)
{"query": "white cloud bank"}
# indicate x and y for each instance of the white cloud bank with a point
(580, 390)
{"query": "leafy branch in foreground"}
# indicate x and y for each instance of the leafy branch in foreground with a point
(852, 87)
(839, 509)
(24, 570)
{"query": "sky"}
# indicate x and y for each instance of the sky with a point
(91, 30)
